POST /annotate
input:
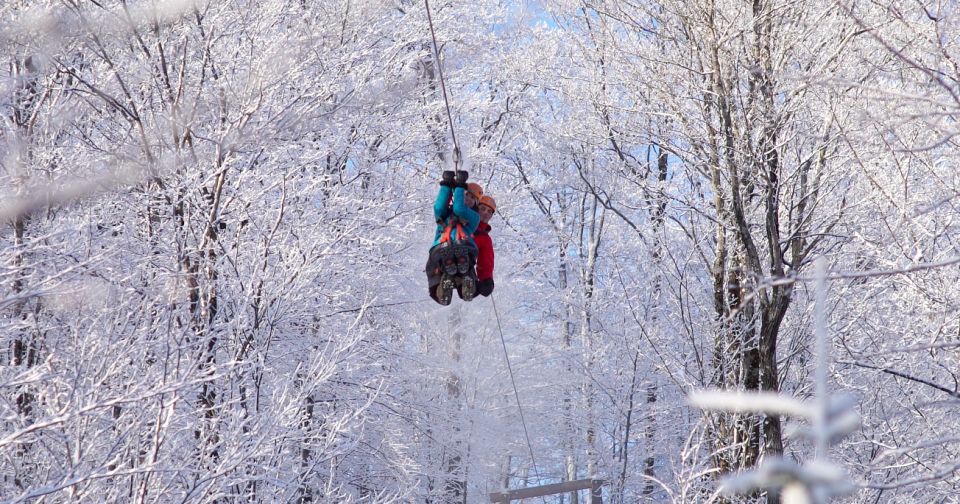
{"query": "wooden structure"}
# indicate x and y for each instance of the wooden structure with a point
(596, 497)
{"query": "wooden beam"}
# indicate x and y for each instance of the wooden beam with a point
(540, 491)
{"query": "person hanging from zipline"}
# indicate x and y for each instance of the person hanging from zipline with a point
(450, 264)
(486, 207)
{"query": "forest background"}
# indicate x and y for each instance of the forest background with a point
(214, 217)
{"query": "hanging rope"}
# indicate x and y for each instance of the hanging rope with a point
(516, 394)
(443, 87)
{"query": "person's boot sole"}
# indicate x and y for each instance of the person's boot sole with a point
(445, 290)
(468, 287)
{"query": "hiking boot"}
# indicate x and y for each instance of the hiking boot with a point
(450, 266)
(468, 287)
(463, 265)
(445, 290)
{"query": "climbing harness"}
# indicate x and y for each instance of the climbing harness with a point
(461, 235)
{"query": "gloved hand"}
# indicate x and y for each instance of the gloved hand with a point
(485, 287)
(461, 177)
(448, 179)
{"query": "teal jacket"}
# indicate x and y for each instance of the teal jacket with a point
(445, 213)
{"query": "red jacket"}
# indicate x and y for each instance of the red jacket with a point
(484, 251)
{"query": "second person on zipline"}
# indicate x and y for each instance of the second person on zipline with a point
(486, 207)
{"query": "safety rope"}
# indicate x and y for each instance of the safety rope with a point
(443, 87)
(516, 393)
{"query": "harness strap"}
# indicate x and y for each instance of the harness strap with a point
(460, 235)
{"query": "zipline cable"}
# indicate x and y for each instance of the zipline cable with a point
(456, 167)
(516, 393)
(443, 87)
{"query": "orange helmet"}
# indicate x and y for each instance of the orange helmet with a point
(476, 190)
(489, 201)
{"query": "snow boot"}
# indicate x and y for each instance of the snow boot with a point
(450, 266)
(468, 287)
(445, 290)
(463, 264)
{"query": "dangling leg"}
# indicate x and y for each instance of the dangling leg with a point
(439, 283)
(468, 275)
(436, 287)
